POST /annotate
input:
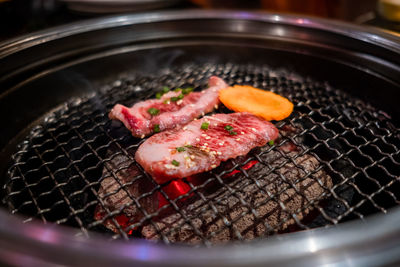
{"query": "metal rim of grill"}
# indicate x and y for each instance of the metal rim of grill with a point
(323, 138)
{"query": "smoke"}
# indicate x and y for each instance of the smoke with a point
(157, 60)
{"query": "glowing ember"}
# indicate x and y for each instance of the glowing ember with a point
(179, 187)
(121, 219)
(245, 167)
(124, 222)
(173, 190)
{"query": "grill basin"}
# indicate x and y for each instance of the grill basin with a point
(56, 174)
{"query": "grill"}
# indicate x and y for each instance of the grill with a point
(327, 190)
(352, 148)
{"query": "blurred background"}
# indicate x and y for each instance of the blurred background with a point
(23, 16)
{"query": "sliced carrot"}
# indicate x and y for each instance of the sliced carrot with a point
(265, 104)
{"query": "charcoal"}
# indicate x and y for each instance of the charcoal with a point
(121, 184)
(257, 209)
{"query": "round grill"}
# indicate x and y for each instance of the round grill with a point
(57, 173)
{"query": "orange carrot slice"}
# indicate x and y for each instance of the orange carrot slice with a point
(265, 104)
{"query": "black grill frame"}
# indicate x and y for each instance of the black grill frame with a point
(303, 92)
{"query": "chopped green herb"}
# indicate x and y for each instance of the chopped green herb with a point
(180, 149)
(187, 90)
(232, 133)
(177, 89)
(156, 128)
(166, 101)
(228, 128)
(188, 146)
(271, 142)
(204, 125)
(165, 90)
(153, 111)
(175, 163)
(174, 99)
(181, 96)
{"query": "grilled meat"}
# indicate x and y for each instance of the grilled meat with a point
(171, 110)
(202, 145)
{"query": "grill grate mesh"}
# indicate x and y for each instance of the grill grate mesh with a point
(344, 155)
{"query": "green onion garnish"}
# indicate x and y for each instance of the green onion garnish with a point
(165, 90)
(177, 89)
(175, 163)
(204, 125)
(271, 142)
(180, 149)
(228, 128)
(153, 111)
(174, 99)
(187, 90)
(181, 96)
(156, 128)
(232, 133)
(188, 146)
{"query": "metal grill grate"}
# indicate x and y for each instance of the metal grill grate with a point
(337, 159)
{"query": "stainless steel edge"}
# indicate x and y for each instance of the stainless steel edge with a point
(374, 242)
(371, 35)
